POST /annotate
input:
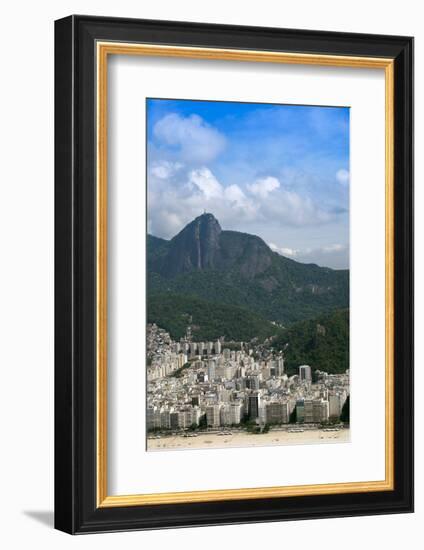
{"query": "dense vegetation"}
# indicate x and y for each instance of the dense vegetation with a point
(322, 343)
(288, 302)
(209, 320)
(240, 269)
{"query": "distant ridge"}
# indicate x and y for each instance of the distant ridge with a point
(240, 269)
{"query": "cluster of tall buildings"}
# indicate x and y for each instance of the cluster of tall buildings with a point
(172, 418)
(219, 386)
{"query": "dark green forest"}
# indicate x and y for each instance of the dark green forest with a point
(322, 343)
(239, 269)
(209, 320)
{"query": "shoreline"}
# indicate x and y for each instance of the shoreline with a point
(274, 438)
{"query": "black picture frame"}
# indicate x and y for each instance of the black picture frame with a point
(76, 508)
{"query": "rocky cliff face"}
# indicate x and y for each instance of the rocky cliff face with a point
(202, 246)
(196, 247)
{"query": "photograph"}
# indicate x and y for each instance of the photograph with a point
(234, 273)
(247, 255)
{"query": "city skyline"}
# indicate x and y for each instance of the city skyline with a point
(206, 388)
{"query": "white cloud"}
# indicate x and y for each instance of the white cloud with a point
(293, 209)
(282, 250)
(335, 256)
(167, 222)
(179, 192)
(236, 198)
(197, 141)
(234, 193)
(334, 248)
(165, 169)
(343, 176)
(206, 182)
(263, 187)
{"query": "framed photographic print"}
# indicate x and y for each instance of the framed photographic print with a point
(234, 274)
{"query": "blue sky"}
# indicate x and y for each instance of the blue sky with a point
(278, 171)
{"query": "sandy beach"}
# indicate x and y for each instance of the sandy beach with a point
(244, 439)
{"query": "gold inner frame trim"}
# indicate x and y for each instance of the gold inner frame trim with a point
(103, 50)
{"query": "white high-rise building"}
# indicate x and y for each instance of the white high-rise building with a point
(305, 373)
(262, 413)
(156, 418)
(211, 369)
(150, 417)
(309, 411)
(195, 415)
(182, 419)
(277, 412)
(213, 416)
(280, 366)
(335, 404)
(165, 418)
(182, 359)
(229, 372)
(316, 410)
(225, 414)
(321, 411)
(235, 412)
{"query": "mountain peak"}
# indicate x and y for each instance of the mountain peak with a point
(203, 246)
(207, 216)
(196, 247)
(204, 229)
(205, 220)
